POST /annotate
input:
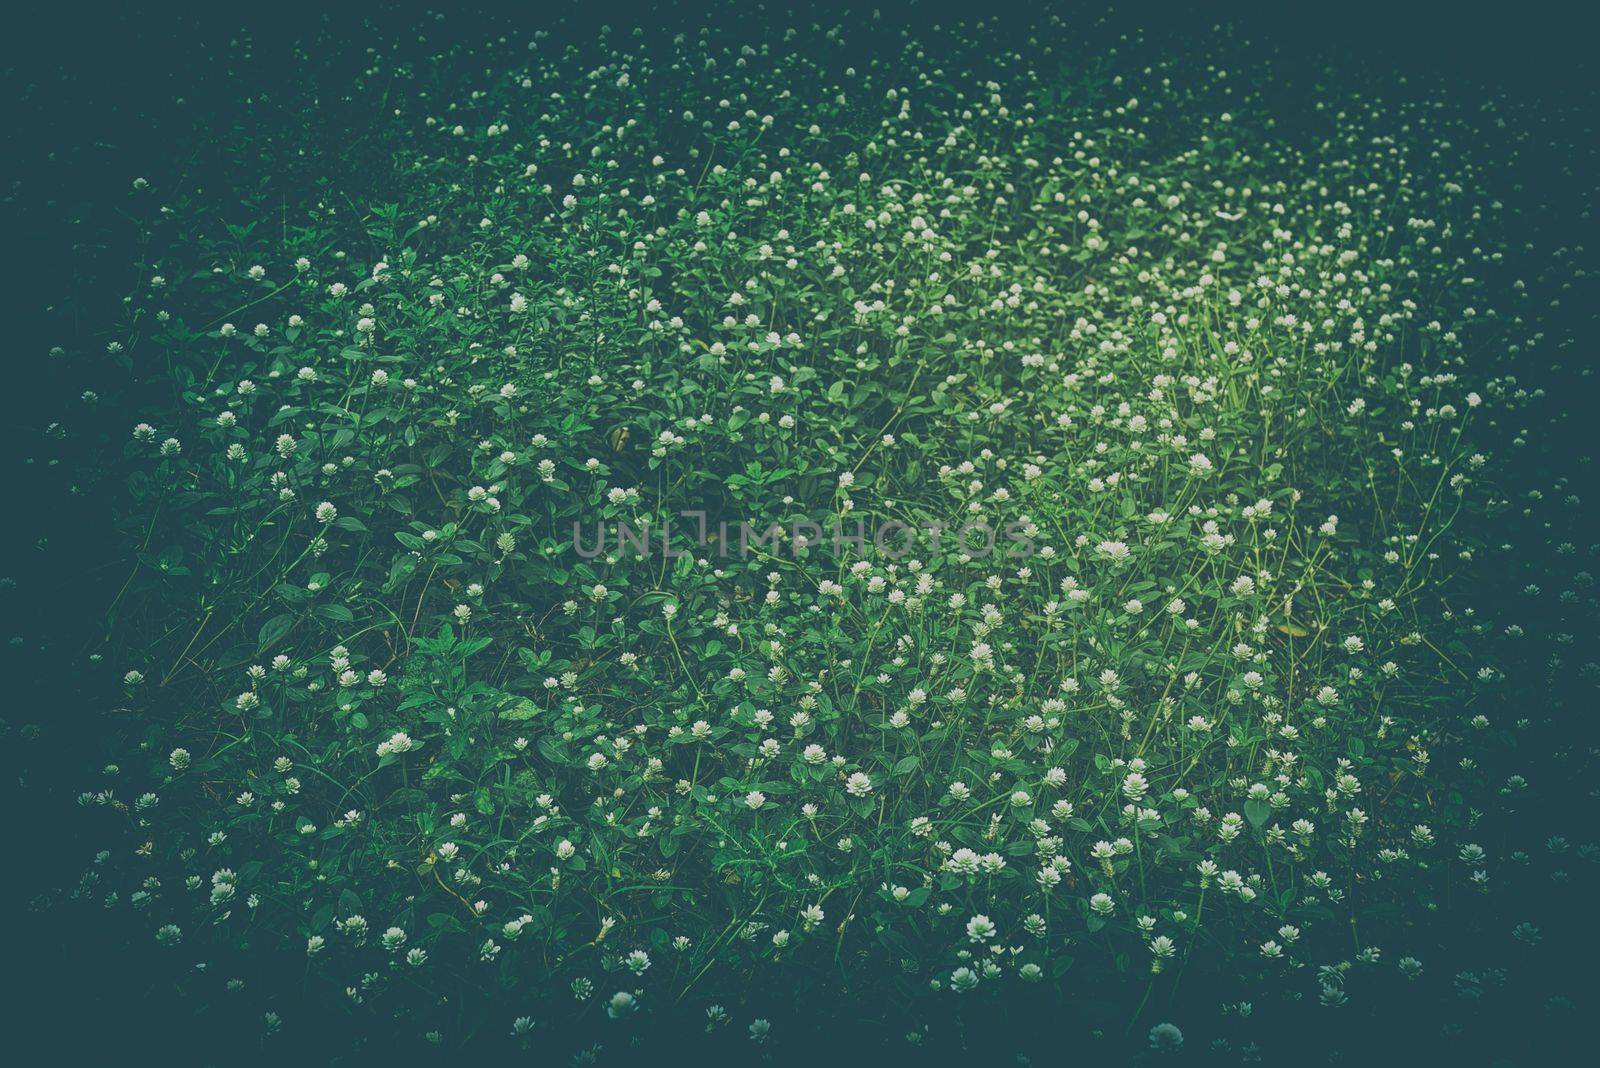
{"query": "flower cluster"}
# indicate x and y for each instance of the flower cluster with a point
(1251, 378)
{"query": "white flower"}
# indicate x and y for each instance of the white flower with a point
(1115, 551)
(980, 929)
(398, 742)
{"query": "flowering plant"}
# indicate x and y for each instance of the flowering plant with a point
(1257, 701)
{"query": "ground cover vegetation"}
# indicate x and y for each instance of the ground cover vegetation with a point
(1264, 714)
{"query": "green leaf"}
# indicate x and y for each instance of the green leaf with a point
(1257, 812)
(520, 709)
(273, 631)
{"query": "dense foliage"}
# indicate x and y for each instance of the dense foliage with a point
(1260, 681)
